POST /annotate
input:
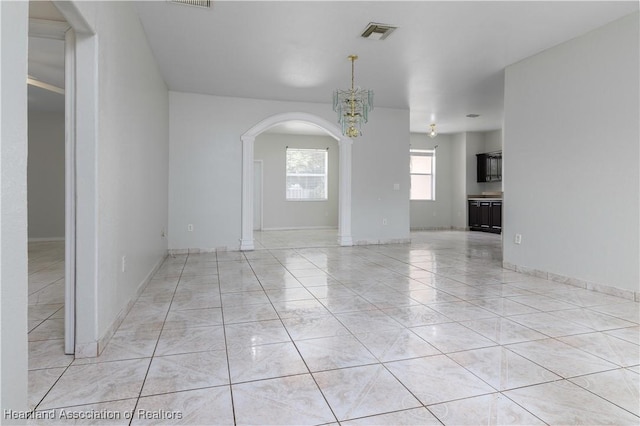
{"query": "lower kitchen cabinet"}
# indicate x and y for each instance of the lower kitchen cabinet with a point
(485, 215)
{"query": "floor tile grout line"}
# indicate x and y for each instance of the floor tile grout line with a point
(549, 369)
(341, 368)
(84, 404)
(296, 346)
(51, 387)
(600, 396)
(144, 380)
(226, 345)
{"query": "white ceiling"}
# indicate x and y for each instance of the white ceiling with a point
(445, 60)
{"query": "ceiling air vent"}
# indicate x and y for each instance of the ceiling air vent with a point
(197, 3)
(377, 31)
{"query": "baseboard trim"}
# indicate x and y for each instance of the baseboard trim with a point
(183, 251)
(94, 349)
(575, 282)
(298, 228)
(370, 242)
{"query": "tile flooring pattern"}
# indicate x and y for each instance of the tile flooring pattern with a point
(432, 332)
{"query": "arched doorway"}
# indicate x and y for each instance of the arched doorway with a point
(344, 202)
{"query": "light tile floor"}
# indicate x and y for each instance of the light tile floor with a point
(432, 332)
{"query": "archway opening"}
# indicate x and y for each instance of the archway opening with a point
(248, 173)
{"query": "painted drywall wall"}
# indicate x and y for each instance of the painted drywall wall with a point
(45, 175)
(573, 194)
(13, 206)
(131, 156)
(433, 214)
(493, 140)
(278, 213)
(475, 145)
(379, 163)
(459, 181)
(478, 143)
(206, 168)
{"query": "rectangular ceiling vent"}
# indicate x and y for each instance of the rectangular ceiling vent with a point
(197, 3)
(377, 31)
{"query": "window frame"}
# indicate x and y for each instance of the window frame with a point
(325, 151)
(431, 153)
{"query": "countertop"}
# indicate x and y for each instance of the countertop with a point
(485, 196)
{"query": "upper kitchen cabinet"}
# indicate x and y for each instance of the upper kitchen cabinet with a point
(489, 166)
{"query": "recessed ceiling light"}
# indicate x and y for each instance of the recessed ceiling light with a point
(473, 115)
(377, 31)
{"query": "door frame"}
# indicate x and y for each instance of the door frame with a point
(81, 189)
(70, 195)
(40, 28)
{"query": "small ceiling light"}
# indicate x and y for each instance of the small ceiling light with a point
(433, 133)
(473, 115)
(352, 105)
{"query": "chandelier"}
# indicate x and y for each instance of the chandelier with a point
(353, 106)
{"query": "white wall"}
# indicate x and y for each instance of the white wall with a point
(475, 145)
(478, 143)
(45, 175)
(572, 158)
(278, 213)
(428, 214)
(13, 206)
(131, 157)
(206, 169)
(380, 161)
(459, 181)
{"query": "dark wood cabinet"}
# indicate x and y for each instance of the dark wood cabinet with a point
(489, 167)
(474, 214)
(485, 215)
(496, 215)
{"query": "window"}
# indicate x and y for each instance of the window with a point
(422, 167)
(307, 174)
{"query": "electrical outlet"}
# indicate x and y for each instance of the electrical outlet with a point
(517, 239)
(124, 263)
(384, 221)
(190, 227)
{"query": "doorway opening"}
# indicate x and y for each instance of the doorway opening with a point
(50, 218)
(248, 175)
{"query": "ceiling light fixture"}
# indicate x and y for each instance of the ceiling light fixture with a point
(352, 105)
(432, 132)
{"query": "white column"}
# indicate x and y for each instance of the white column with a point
(246, 242)
(344, 221)
(70, 196)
